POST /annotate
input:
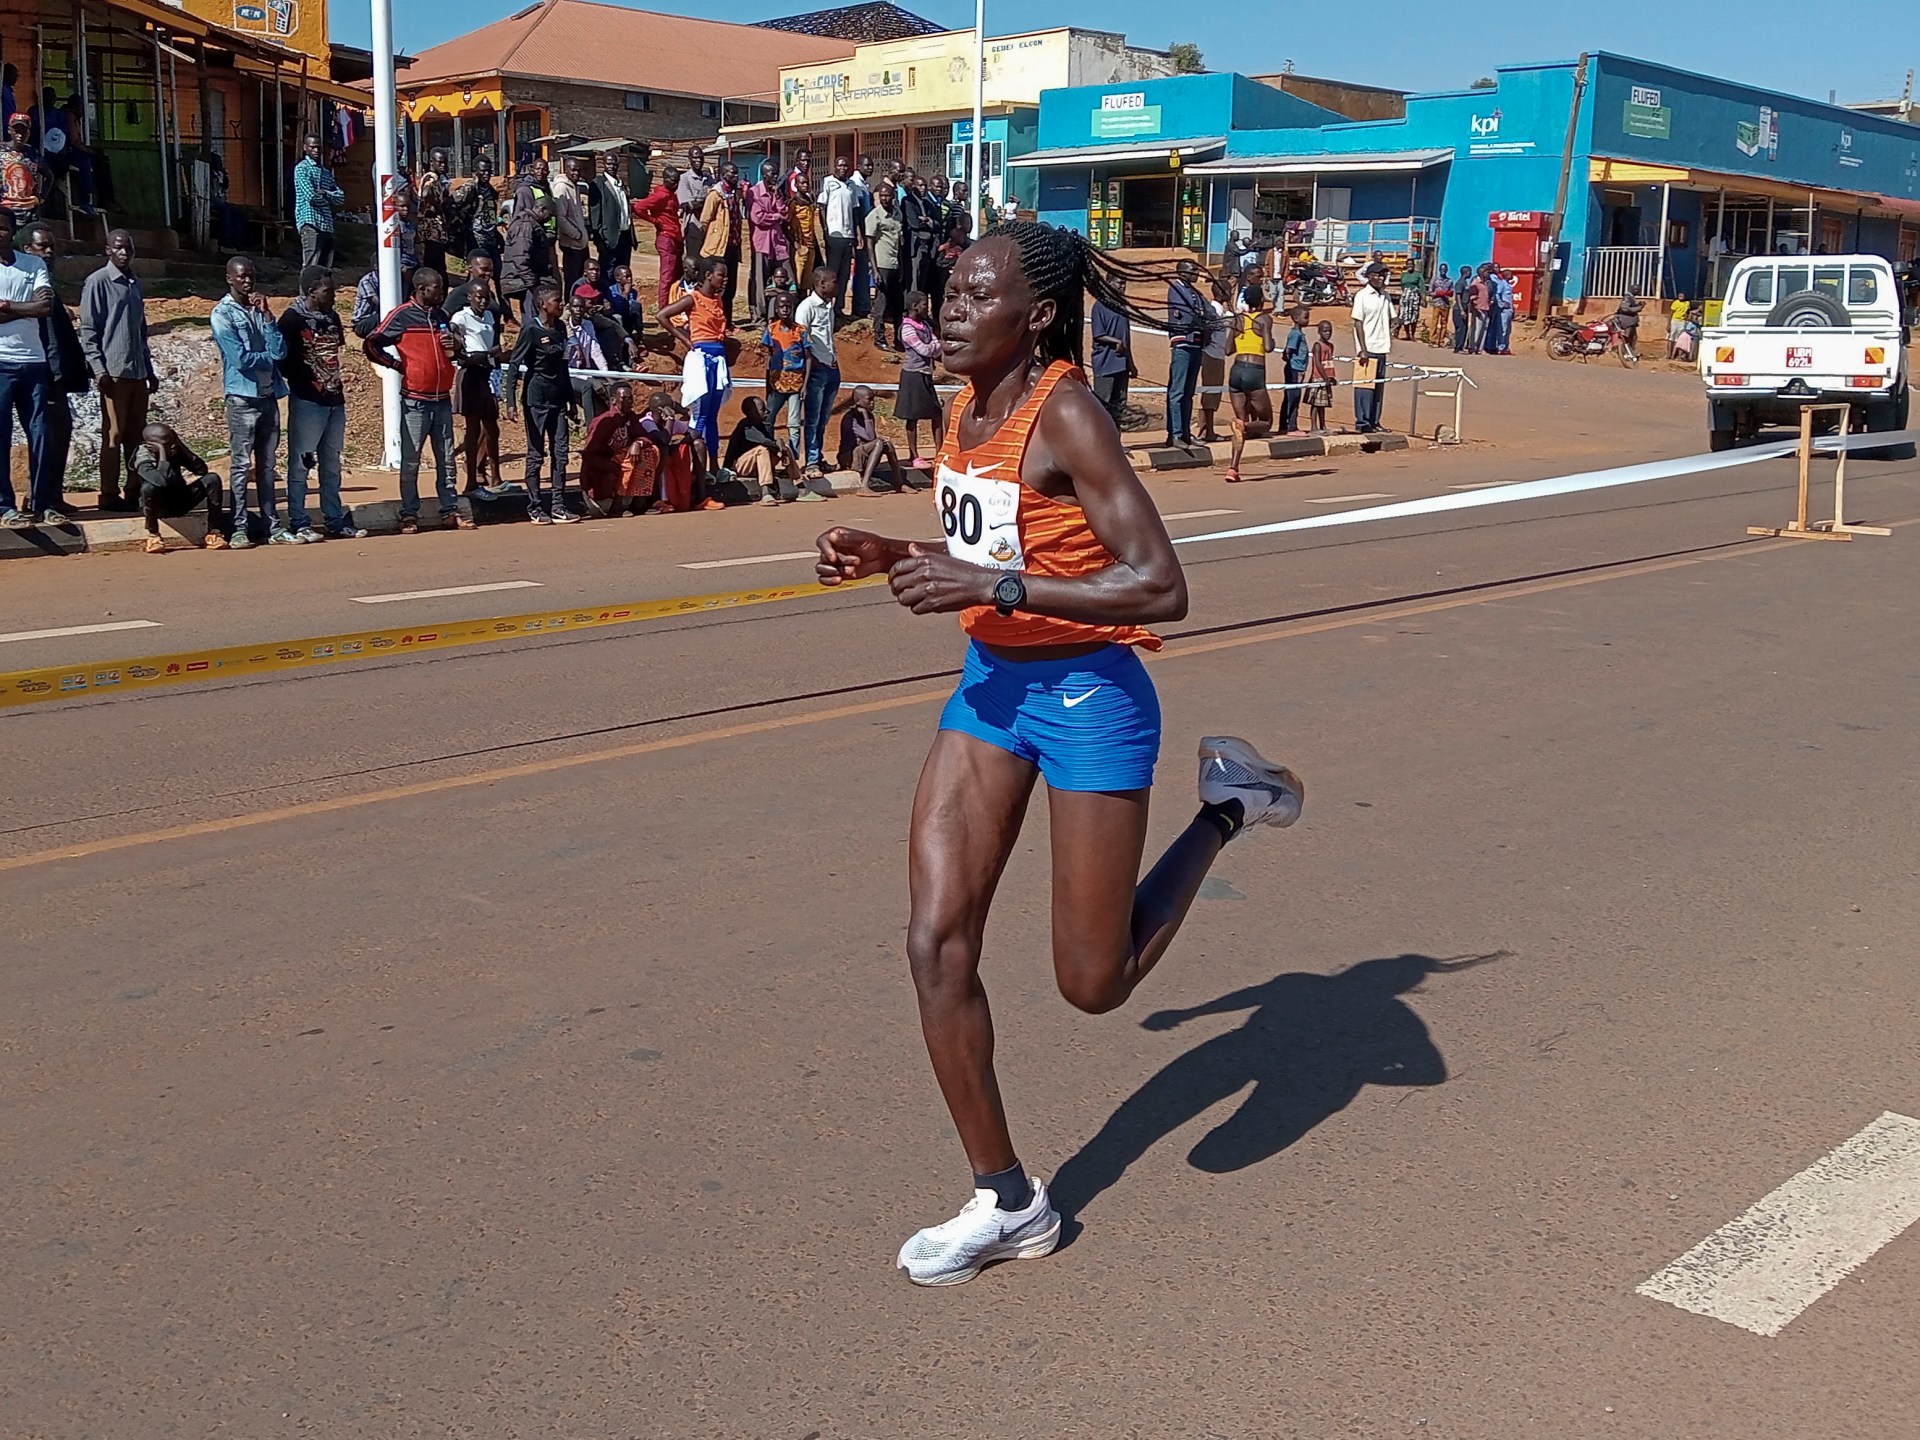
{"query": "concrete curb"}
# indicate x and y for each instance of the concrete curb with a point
(380, 517)
(1294, 447)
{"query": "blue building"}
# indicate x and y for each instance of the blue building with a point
(1672, 176)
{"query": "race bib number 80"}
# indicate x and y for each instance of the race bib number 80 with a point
(980, 517)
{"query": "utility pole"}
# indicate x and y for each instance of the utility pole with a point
(386, 191)
(1544, 292)
(975, 205)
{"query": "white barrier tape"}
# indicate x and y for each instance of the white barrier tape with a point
(1561, 485)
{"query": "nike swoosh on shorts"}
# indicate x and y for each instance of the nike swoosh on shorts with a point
(1072, 700)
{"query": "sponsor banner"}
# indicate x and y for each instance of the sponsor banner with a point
(233, 662)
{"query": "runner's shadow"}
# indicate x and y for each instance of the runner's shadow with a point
(1311, 1042)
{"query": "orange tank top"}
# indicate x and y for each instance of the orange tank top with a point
(990, 518)
(707, 321)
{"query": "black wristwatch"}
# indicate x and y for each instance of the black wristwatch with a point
(1009, 593)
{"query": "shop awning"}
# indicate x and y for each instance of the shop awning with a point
(603, 147)
(1750, 187)
(462, 97)
(1108, 154)
(1905, 209)
(1376, 163)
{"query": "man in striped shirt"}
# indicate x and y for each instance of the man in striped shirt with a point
(417, 340)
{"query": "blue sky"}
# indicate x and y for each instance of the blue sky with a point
(1412, 44)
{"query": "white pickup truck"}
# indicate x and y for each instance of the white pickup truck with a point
(1804, 329)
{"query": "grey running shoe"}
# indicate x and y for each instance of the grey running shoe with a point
(562, 515)
(1231, 769)
(307, 535)
(538, 516)
(281, 536)
(954, 1252)
(240, 540)
(348, 531)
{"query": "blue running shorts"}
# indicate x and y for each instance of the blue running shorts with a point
(1089, 723)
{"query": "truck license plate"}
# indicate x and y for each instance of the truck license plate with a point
(1799, 358)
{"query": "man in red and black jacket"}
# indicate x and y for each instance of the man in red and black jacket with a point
(416, 340)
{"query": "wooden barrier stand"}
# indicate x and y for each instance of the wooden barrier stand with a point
(1836, 528)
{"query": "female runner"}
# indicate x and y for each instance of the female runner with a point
(1055, 559)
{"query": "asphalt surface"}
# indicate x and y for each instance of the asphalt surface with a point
(516, 1042)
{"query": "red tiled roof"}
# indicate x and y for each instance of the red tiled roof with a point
(616, 45)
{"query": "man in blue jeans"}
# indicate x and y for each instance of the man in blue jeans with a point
(815, 319)
(1188, 318)
(316, 409)
(26, 383)
(417, 340)
(251, 349)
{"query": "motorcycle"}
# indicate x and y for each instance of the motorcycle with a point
(1317, 285)
(1570, 340)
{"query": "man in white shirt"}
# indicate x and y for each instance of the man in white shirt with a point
(26, 298)
(1277, 274)
(839, 221)
(815, 316)
(1373, 316)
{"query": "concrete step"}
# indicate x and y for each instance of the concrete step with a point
(1285, 447)
(107, 533)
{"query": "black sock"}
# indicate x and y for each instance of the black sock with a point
(1014, 1191)
(1229, 816)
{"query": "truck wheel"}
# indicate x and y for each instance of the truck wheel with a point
(1808, 310)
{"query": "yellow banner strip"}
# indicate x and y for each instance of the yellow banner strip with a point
(152, 672)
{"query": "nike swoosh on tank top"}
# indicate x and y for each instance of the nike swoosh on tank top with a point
(990, 518)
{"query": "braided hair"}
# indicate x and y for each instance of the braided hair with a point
(1062, 265)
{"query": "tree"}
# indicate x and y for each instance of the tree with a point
(1485, 82)
(1187, 59)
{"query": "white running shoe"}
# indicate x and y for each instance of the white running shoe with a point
(1231, 769)
(955, 1252)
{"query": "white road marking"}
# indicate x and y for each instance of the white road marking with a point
(81, 630)
(1763, 1268)
(449, 590)
(748, 560)
(1480, 485)
(1198, 514)
(1344, 499)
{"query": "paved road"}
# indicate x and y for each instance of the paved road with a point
(516, 1043)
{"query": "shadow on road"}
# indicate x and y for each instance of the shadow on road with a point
(1308, 1046)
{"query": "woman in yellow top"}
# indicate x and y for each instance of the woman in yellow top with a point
(1252, 340)
(1055, 561)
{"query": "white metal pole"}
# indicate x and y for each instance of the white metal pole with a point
(978, 178)
(386, 184)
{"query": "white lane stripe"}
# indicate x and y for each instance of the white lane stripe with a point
(80, 630)
(1762, 1269)
(1346, 499)
(748, 560)
(449, 590)
(1556, 485)
(1198, 514)
(1480, 485)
